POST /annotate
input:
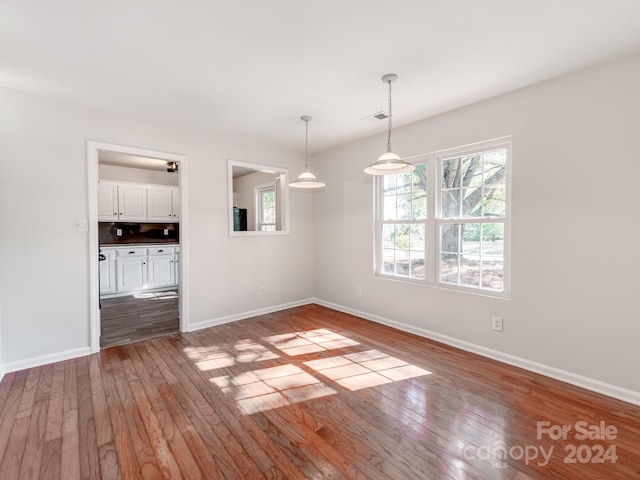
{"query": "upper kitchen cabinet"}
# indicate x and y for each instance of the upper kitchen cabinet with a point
(130, 202)
(162, 203)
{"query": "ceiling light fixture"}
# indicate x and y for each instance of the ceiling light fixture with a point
(389, 163)
(306, 179)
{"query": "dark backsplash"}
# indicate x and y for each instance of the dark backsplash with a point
(138, 233)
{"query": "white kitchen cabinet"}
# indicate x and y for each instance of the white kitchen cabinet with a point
(107, 201)
(122, 202)
(161, 267)
(130, 202)
(131, 269)
(138, 268)
(176, 264)
(163, 204)
(175, 203)
(108, 273)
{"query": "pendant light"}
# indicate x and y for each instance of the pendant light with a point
(389, 163)
(306, 179)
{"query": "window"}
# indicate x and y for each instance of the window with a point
(447, 222)
(266, 200)
(404, 216)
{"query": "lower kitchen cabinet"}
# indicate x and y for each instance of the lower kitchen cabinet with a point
(161, 267)
(133, 269)
(108, 272)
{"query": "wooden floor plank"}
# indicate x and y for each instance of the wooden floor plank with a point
(302, 393)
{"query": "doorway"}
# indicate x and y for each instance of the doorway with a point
(137, 230)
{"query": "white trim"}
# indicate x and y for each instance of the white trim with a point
(620, 393)
(244, 315)
(46, 359)
(93, 149)
(2, 372)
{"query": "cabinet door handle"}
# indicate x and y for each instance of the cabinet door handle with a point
(115, 213)
(160, 251)
(131, 253)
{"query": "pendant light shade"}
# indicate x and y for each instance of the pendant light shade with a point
(389, 163)
(306, 179)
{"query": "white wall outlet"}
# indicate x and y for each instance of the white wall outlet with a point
(263, 289)
(497, 324)
(166, 231)
(118, 232)
(358, 292)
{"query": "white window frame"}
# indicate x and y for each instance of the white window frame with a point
(259, 190)
(434, 221)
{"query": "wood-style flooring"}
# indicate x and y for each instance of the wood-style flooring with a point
(136, 317)
(305, 393)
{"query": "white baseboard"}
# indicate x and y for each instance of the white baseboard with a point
(46, 359)
(241, 316)
(608, 389)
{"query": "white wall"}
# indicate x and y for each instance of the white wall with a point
(45, 263)
(575, 230)
(139, 175)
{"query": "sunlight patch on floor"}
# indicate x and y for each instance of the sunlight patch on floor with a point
(270, 388)
(365, 369)
(310, 341)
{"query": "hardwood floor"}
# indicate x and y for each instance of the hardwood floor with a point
(137, 317)
(304, 393)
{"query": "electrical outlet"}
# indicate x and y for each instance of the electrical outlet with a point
(118, 232)
(165, 231)
(263, 289)
(497, 324)
(358, 291)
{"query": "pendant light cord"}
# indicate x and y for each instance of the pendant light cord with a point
(306, 146)
(389, 128)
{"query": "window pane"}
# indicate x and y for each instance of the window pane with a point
(388, 261)
(493, 239)
(389, 184)
(470, 271)
(471, 171)
(417, 264)
(471, 204)
(402, 263)
(451, 203)
(449, 238)
(388, 233)
(389, 208)
(405, 182)
(494, 167)
(493, 273)
(449, 268)
(403, 207)
(402, 236)
(419, 207)
(480, 263)
(482, 177)
(494, 202)
(417, 237)
(451, 173)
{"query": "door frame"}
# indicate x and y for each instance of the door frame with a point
(93, 150)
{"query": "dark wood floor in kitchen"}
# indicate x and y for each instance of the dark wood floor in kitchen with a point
(137, 317)
(303, 393)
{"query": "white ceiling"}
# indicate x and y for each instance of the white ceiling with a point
(252, 68)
